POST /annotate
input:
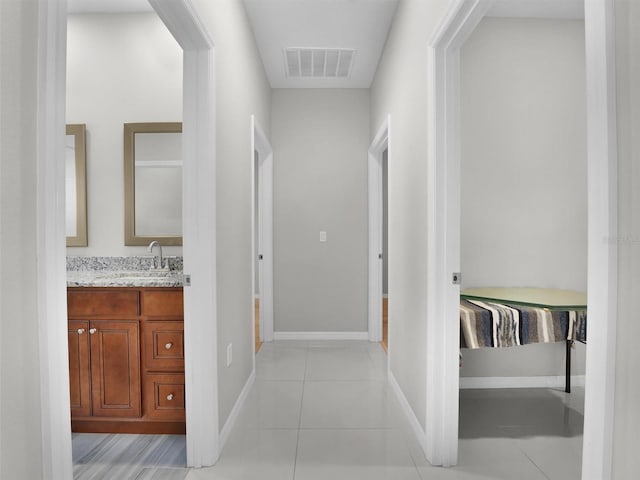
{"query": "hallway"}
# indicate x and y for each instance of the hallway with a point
(324, 410)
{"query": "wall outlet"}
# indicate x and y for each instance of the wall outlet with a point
(229, 354)
(323, 236)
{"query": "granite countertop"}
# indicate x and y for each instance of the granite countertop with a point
(136, 278)
(123, 272)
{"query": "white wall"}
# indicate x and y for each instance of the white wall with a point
(626, 462)
(21, 453)
(120, 68)
(400, 89)
(320, 140)
(524, 172)
(523, 158)
(242, 89)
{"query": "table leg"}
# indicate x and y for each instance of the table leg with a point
(567, 384)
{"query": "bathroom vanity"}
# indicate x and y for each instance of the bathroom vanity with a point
(126, 353)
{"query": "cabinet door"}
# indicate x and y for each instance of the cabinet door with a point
(115, 368)
(79, 368)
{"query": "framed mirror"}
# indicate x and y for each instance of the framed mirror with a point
(153, 183)
(76, 186)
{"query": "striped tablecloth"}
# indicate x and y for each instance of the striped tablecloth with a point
(490, 324)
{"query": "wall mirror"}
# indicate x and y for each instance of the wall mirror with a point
(153, 183)
(76, 186)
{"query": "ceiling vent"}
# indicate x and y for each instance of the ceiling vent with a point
(319, 62)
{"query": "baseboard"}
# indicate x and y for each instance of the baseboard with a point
(408, 411)
(321, 335)
(520, 382)
(233, 416)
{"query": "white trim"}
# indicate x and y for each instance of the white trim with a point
(199, 228)
(235, 411)
(443, 244)
(443, 249)
(51, 293)
(408, 411)
(597, 445)
(550, 381)
(264, 176)
(380, 143)
(321, 335)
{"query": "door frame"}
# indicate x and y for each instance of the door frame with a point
(264, 178)
(380, 143)
(199, 234)
(444, 230)
(199, 228)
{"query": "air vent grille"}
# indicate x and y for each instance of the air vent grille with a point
(319, 62)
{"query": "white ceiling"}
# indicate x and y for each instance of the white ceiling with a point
(558, 9)
(361, 25)
(323, 24)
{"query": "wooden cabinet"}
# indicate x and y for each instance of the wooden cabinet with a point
(126, 359)
(104, 369)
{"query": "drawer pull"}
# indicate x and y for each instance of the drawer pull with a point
(168, 345)
(170, 397)
(80, 331)
(93, 330)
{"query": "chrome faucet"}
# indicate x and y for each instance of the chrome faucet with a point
(155, 243)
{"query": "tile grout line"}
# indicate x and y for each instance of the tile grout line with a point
(304, 381)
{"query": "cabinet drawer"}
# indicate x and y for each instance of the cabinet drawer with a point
(101, 303)
(162, 303)
(164, 396)
(163, 347)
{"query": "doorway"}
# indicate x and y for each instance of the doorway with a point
(199, 256)
(444, 232)
(522, 154)
(262, 235)
(378, 160)
(385, 250)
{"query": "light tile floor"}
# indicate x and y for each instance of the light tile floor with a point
(324, 410)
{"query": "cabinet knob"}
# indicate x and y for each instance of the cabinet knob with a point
(93, 330)
(170, 397)
(168, 345)
(80, 331)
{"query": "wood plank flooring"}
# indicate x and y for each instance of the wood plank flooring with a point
(385, 324)
(256, 310)
(100, 456)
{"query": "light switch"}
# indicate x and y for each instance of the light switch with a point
(323, 236)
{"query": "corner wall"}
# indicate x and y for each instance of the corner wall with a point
(242, 89)
(400, 89)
